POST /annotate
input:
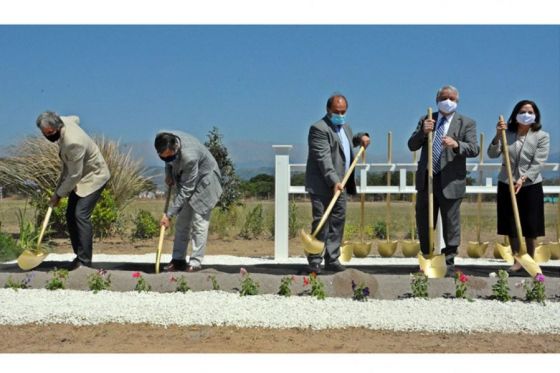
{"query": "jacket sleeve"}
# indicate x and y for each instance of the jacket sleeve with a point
(319, 149)
(185, 187)
(418, 138)
(74, 161)
(541, 155)
(469, 148)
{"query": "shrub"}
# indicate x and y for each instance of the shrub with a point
(380, 230)
(223, 222)
(461, 285)
(141, 283)
(215, 285)
(104, 215)
(534, 289)
(286, 286)
(23, 284)
(419, 284)
(248, 285)
(293, 225)
(58, 279)
(360, 292)
(145, 225)
(9, 248)
(182, 285)
(99, 280)
(254, 223)
(317, 286)
(501, 288)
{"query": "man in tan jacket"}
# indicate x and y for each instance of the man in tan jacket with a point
(84, 175)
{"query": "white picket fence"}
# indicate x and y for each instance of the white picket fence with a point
(283, 171)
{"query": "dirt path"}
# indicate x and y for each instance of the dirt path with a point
(109, 338)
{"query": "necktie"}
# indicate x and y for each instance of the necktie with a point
(437, 146)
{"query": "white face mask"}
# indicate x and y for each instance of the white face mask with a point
(447, 106)
(525, 119)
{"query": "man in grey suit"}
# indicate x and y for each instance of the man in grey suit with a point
(330, 153)
(192, 167)
(454, 141)
(84, 175)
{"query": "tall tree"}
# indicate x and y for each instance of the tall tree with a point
(230, 181)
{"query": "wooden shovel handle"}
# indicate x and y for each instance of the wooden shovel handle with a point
(44, 226)
(505, 151)
(162, 230)
(430, 188)
(338, 192)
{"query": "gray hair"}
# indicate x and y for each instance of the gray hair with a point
(445, 88)
(49, 119)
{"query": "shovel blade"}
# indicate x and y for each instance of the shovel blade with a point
(410, 248)
(387, 248)
(554, 248)
(529, 264)
(542, 253)
(434, 266)
(30, 259)
(505, 252)
(476, 249)
(311, 245)
(346, 251)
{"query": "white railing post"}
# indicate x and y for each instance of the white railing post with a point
(281, 200)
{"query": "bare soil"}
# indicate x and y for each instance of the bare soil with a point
(111, 338)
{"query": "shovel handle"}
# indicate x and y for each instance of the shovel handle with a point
(162, 230)
(505, 151)
(338, 192)
(430, 188)
(44, 226)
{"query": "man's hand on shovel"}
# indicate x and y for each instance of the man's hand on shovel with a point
(165, 221)
(55, 199)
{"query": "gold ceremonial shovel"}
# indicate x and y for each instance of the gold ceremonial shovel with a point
(358, 249)
(162, 231)
(478, 249)
(388, 247)
(522, 257)
(311, 245)
(411, 247)
(30, 259)
(434, 266)
(503, 251)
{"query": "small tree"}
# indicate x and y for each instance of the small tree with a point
(230, 181)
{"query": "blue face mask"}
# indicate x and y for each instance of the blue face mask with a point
(338, 119)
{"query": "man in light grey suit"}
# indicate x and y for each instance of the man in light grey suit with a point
(454, 141)
(330, 143)
(192, 167)
(84, 175)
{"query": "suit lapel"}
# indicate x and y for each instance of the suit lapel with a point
(528, 148)
(455, 127)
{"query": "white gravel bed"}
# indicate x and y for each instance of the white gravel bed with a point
(240, 260)
(217, 308)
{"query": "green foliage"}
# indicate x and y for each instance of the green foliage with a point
(286, 286)
(15, 285)
(104, 215)
(254, 223)
(293, 225)
(182, 285)
(215, 285)
(230, 181)
(535, 290)
(380, 230)
(419, 284)
(141, 283)
(461, 285)
(248, 285)
(224, 222)
(360, 292)
(99, 280)
(9, 248)
(260, 186)
(145, 225)
(317, 286)
(501, 288)
(58, 279)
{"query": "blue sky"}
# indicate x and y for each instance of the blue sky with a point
(264, 85)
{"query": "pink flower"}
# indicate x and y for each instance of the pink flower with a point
(172, 279)
(136, 275)
(463, 278)
(539, 277)
(242, 271)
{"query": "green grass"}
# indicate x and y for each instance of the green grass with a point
(374, 211)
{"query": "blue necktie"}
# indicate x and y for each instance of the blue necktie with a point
(437, 146)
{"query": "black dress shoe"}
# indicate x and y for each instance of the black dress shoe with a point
(176, 265)
(335, 267)
(75, 264)
(313, 268)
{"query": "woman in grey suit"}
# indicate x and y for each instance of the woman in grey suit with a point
(528, 147)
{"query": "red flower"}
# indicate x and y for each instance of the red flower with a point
(136, 275)
(305, 281)
(463, 278)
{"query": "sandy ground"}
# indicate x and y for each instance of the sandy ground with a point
(111, 338)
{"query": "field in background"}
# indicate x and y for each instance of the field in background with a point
(230, 243)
